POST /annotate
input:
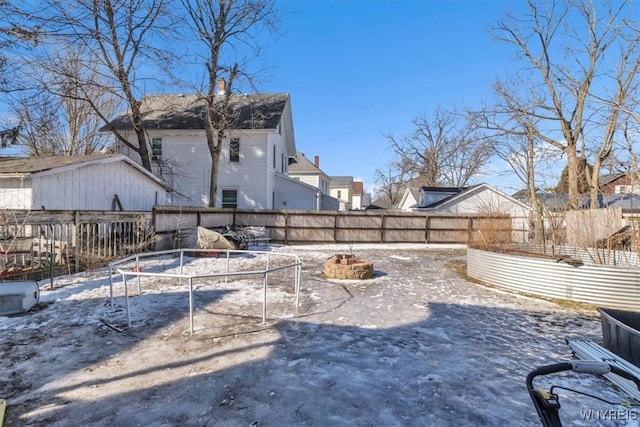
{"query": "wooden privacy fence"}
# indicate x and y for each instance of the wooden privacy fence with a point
(76, 240)
(33, 239)
(299, 227)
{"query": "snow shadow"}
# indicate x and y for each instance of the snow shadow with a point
(461, 365)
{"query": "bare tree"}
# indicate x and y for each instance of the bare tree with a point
(572, 48)
(442, 150)
(224, 26)
(56, 118)
(391, 183)
(50, 126)
(114, 38)
(512, 130)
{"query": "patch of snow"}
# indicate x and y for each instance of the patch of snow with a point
(417, 345)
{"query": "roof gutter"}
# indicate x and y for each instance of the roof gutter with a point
(14, 175)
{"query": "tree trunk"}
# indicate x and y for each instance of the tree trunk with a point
(572, 176)
(143, 149)
(215, 140)
(536, 222)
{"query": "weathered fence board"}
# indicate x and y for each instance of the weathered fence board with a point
(294, 227)
(73, 237)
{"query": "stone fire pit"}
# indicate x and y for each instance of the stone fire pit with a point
(342, 266)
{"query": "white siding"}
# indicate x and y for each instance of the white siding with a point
(292, 194)
(15, 193)
(356, 202)
(307, 179)
(318, 180)
(93, 188)
(488, 201)
(248, 176)
(186, 167)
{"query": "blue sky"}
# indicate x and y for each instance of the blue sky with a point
(360, 69)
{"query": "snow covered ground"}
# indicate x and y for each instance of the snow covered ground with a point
(417, 345)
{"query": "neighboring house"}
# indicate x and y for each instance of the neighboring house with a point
(620, 183)
(410, 199)
(523, 195)
(478, 199)
(360, 199)
(293, 194)
(254, 159)
(310, 173)
(91, 182)
(341, 187)
(378, 204)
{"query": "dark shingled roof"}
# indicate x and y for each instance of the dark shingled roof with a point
(41, 164)
(253, 111)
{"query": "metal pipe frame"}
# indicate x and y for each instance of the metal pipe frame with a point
(138, 273)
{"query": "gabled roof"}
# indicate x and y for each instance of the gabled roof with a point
(378, 204)
(623, 201)
(414, 192)
(524, 193)
(443, 189)
(341, 181)
(27, 165)
(253, 111)
(303, 165)
(607, 179)
(453, 191)
(467, 191)
(12, 167)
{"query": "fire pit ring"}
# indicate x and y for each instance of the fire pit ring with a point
(345, 267)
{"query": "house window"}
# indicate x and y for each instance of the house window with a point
(230, 199)
(339, 194)
(234, 150)
(282, 164)
(156, 149)
(274, 156)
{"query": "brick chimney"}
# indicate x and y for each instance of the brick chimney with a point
(316, 161)
(222, 87)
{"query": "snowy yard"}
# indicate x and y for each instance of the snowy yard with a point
(417, 345)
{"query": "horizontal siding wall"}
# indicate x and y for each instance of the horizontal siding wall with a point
(15, 193)
(292, 195)
(249, 175)
(186, 166)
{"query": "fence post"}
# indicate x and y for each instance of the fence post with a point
(426, 228)
(382, 224)
(76, 238)
(286, 228)
(154, 218)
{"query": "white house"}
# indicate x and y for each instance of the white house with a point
(341, 187)
(254, 158)
(294, 194)
(91, 182)
(304, 170)
(477, 199)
